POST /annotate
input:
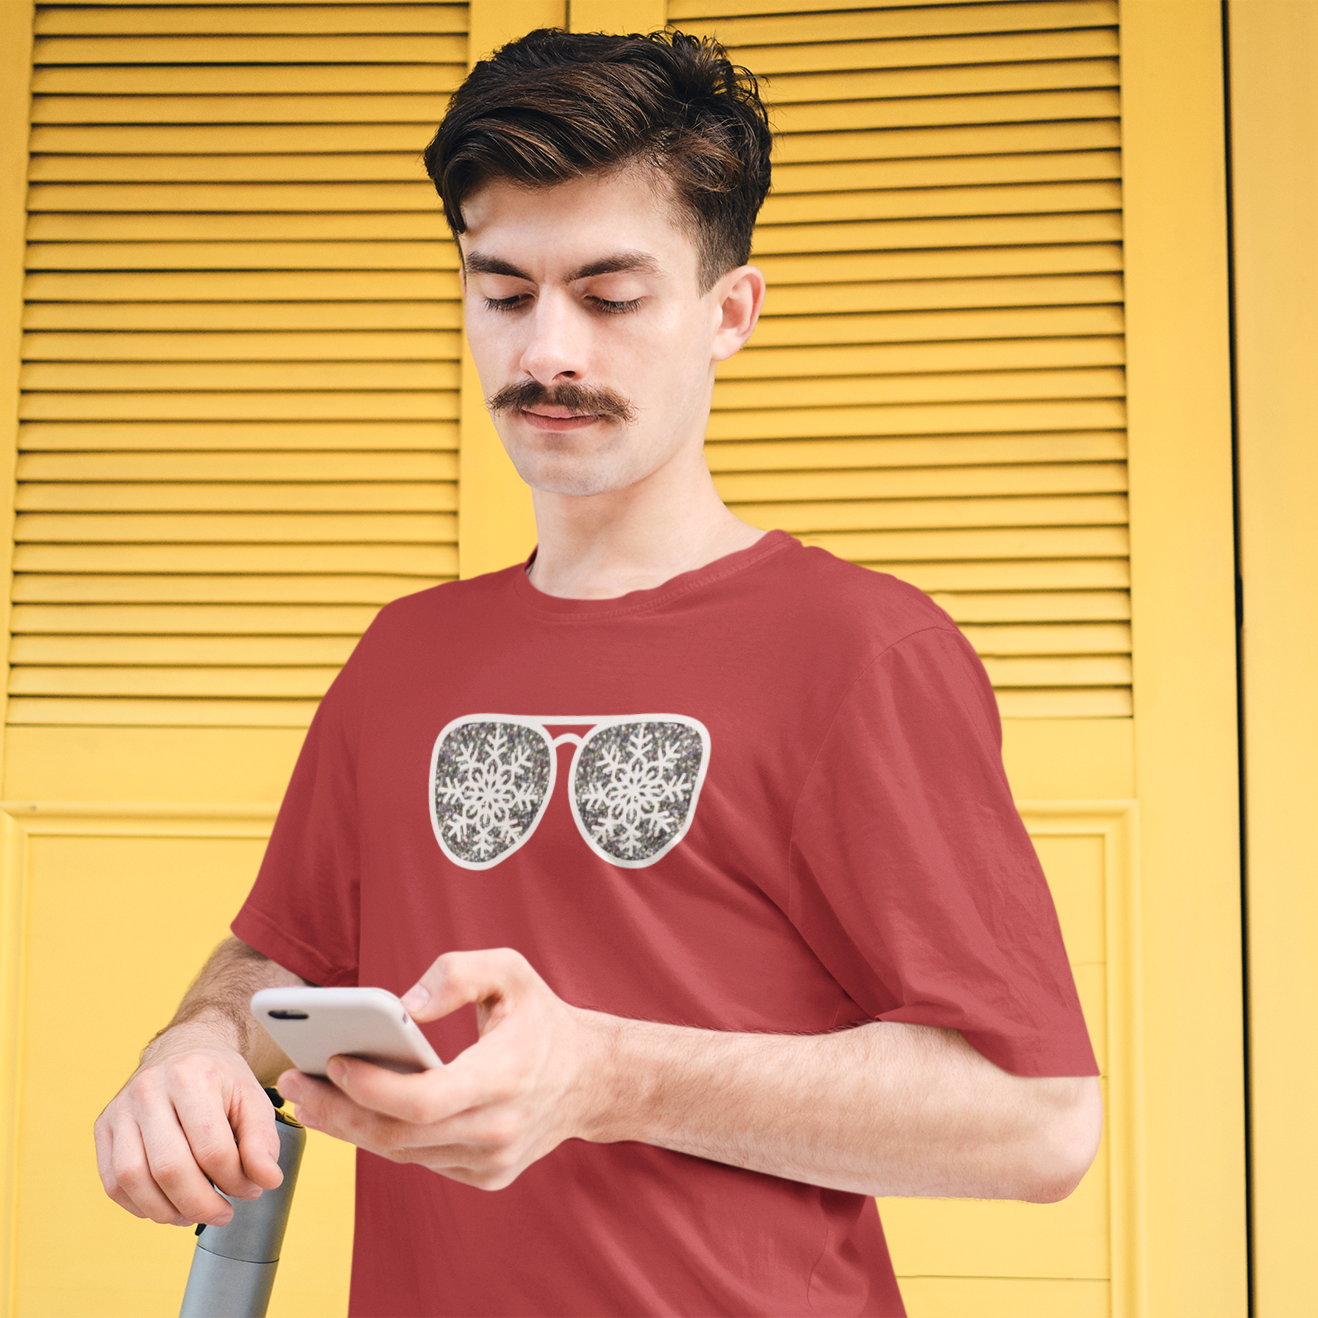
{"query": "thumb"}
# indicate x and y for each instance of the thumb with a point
(258, 1139)
(457, 978)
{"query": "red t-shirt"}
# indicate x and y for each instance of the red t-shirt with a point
(767, 795)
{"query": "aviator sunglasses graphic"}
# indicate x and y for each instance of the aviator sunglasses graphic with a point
(633, 783)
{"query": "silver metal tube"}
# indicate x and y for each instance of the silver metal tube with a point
(233, 1266)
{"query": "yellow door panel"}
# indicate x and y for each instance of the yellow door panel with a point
(265, 496)
(273, 18)
(982, 52)
(874, 21)
(1001, 1297)
(904, 419)
(238, 285)
(831, 359)
(219, 197)
(304, 428)
(235, 405)
(979, 451)
(199, 377)
(923, 295)
(925, 482)
(966, 79)
(224, 139)
(985, 577)
(394, 347)
(926, 144)
(208, 648)
(305, 230)
(202, 619)
(1006, 543)
(989, 231)
(363, 47)
(391, 167)
(186, 876)
(335, 435)
(949, 263)
(839, 515)
(89, 468)
(1035, 606)
(121, 712)
(950, 1237)
(401, 319)
(103, 680)
(1000, 171)
(309, 108)
(423, 560)
(35, 588)
(1051, 637)
(819, 113)
(246, 80)
(899, 200)
(835, 391)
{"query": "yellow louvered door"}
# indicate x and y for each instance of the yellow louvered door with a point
(242, 335)
(238, 439)
(936, 391)
(240, 434)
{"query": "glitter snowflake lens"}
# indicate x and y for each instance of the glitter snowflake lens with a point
(635, 781)
(634, 787)
(491, 782)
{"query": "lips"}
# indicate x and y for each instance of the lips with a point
(560, 419)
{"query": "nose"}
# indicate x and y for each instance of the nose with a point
(558, 348)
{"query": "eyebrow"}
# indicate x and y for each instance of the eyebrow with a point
(617, 263)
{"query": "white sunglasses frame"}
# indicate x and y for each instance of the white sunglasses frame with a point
(541, 725)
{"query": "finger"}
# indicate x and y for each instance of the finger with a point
(173, 1168)
(104, 1135)
(205, 1124)
(457, 978)
(322, 1107)
(257, 1134)
(136, 1187)
(312, 1097)
(419, 1098)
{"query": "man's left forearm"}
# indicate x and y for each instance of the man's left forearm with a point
(882, 1109)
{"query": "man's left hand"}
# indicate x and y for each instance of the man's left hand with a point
(532, 1080)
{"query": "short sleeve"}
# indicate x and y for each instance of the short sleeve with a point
(303, 910)
(912, 876)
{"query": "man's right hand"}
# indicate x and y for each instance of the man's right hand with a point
(193, 1113)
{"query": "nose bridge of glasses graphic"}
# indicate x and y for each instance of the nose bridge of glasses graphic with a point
(633, 783)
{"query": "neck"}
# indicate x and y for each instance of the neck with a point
(601, 546)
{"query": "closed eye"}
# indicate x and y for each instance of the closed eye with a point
(504, 303)
(614, 308)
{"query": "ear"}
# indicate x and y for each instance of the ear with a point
(739, 295)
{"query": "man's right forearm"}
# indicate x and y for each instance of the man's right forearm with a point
(215, 1011)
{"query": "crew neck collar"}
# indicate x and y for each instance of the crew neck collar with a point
(641, 601)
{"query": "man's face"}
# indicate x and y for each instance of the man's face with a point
(594, 344)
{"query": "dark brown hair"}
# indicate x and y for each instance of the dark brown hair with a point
(554, 106)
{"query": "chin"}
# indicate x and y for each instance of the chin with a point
(582, 485)
(581, 479)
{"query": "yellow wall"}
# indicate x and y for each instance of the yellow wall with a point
(937, 390)
(1274, 120)
(1182, 575)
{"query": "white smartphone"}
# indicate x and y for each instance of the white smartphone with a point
(312, 1025)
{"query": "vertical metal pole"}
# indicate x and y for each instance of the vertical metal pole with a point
(233, 1266)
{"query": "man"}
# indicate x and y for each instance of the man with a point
(712, 829)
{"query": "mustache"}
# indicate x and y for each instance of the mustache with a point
(575, 397)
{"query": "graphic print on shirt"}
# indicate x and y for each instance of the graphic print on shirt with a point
(633, 785)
